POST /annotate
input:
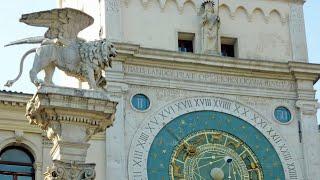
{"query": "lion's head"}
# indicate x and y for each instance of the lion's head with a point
(108, 52)
(100, 52)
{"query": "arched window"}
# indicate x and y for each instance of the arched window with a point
(16, 163)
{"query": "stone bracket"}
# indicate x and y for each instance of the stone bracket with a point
(70, 117)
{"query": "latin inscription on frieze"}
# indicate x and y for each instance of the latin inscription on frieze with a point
(209, 77)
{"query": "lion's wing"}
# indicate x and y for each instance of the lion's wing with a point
(62, 23)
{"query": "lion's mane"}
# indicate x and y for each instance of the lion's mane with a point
(93, 51)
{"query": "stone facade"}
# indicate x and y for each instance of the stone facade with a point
(264, 30)
(271, 71)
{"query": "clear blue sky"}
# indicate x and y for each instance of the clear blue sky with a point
(11, 29)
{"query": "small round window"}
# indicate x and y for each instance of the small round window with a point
(140, 102)
(282, 114)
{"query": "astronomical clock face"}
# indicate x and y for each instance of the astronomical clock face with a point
(211, 154)
(212, 145)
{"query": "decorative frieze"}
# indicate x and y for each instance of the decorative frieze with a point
(204, 77)
(249, 8)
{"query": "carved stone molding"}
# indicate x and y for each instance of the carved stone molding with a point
(232, 8)
(70, 171)
(18, 134)
(70, 117)
(308, 107)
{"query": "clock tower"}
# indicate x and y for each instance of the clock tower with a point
(207, 89)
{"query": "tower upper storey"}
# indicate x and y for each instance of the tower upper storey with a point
(271, 30)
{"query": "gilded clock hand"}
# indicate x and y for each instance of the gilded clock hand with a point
(210, 163)
(228, 160)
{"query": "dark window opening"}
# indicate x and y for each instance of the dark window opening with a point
(185, 46)
(185, 42)
(16, 163)
(227, 50)
(229, 47)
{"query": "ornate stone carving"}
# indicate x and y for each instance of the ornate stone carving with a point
(70, 171)
(19, 135)
(210, 22)
(70, 117)
(61, 48)
(55, 111)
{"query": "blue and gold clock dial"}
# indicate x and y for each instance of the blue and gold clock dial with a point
(212, 145)
(212, 154)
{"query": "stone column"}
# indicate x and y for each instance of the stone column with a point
(70, 117)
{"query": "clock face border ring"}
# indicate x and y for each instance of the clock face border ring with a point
(165, 143)
(144, 134)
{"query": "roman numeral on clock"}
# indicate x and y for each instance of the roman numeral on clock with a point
(142, 140)
(137, 158)
(137, 175)
(137, 154)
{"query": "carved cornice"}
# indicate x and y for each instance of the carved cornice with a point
(305, 71)
(249, 8)
(136, 55)
(14, 99)
(70, 117)
(53, 107)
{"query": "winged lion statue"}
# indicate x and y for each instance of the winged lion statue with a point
(60, 47)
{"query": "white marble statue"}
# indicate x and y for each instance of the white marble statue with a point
(210, 27)
(61, 48)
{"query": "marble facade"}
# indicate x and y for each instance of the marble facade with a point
(271, 70)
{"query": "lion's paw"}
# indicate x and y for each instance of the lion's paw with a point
(38, 82)
(9, 83)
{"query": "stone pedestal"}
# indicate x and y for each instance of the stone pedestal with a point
(70, 118)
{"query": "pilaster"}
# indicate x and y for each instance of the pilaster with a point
(113, 20)
(307, 114)
(297, 32)
(115, 137)
(38, 170)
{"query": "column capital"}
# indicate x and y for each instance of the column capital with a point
(308, 107)
(70, 117)
(70, 171)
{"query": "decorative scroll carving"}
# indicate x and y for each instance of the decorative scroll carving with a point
(50, 118)
(70, 171)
